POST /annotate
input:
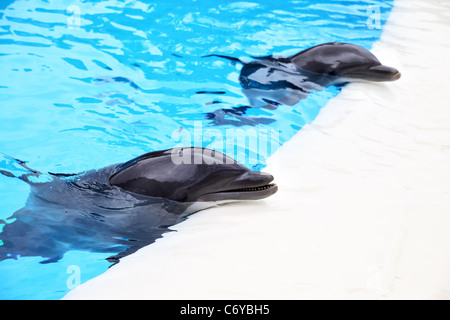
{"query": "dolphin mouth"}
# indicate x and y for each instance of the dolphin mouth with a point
(253, 189)
(246, 193)
(249, 186)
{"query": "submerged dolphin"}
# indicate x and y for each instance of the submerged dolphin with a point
(123, 207)
(272, 81)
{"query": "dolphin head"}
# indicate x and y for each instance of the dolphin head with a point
(191, 175)
(348, 62)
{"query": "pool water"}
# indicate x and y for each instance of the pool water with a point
(85, 84)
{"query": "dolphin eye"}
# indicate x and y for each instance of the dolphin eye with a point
(332, 73)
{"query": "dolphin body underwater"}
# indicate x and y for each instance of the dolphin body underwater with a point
(271, 81)
(123, 207)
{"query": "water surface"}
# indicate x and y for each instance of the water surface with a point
(85, 84)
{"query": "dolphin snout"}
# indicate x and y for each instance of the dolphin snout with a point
(397, 75)
(385, 73)
(254, 178)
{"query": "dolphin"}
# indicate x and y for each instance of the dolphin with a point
(272, 81)
(123, 207)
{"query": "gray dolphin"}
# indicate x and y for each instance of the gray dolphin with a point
(273, 80)
(123, 207)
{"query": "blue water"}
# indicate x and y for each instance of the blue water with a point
(85, 84)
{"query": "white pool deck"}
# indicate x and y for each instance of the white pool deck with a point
(363, 208)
